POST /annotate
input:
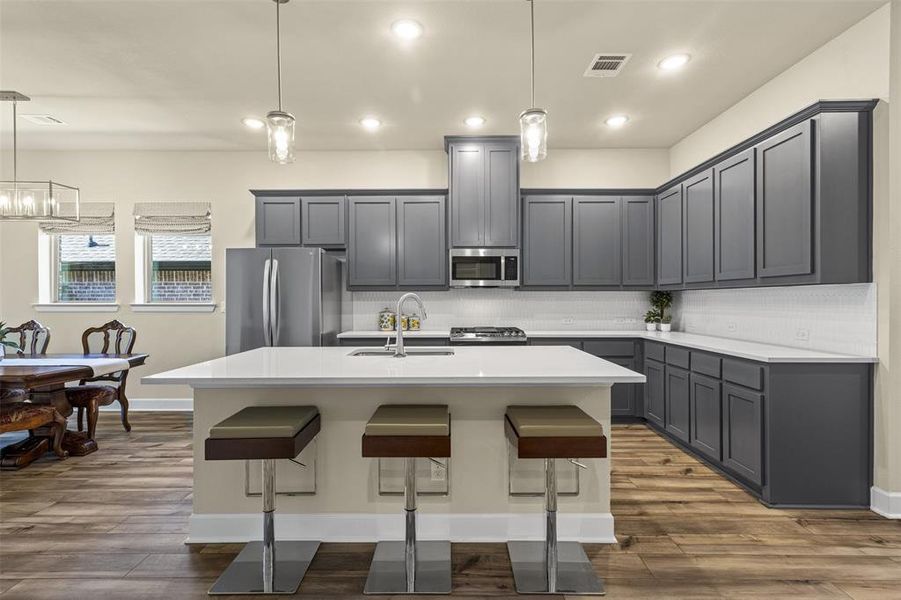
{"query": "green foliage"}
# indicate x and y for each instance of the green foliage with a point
(4, 342)
(661, 300)
(652, 316)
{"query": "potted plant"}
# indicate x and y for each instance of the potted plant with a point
(650, 319)
(661, 301)
(666, 323)
(4, 344)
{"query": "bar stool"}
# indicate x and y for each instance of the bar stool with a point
(552, 432)
(411, 566)
(266, 433)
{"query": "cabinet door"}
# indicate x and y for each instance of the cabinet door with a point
(678, 405)
(502, 195)
(669, 236)
(697, 230)
(547, 251)
(706, 415)
(596, 240)
(421, 241)
(638, 240)
(323, 220)
(743, 432)
(622, 395)
(371, 250)
(735, 216)
(467, 198)
(785, 203)
(277, 221)
(655, 392)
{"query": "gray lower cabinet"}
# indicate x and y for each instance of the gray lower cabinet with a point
(638, 240)
(697, 228)
(421, 241)
(322, 221)
(278, 221)
(706, 415)
(669, 237)
(597, 243)
(785, 203)
(743, 432)
(623, 396)
(655, 392)
(372, 247)
(735, 256)
(547, 241)
(677, 394)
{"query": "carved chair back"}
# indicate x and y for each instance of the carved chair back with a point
(109, 338)
(34, 338)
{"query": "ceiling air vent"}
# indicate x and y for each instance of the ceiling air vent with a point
(607, 64)
(42, 119)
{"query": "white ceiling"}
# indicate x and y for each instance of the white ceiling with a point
(155, 74)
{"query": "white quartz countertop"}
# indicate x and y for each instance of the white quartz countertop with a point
(769, 353)
(334, 367)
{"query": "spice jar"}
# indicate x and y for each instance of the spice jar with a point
(387, 319)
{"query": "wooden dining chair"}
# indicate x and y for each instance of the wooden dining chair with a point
(21, 416)
(109, 338)
(34, 338)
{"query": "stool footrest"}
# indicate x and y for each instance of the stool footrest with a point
(387, 573)
(245, 574)
(575, 575)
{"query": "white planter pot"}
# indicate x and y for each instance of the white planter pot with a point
(665, 326)
(651, 326)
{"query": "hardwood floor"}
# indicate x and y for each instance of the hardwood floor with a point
(111, 525)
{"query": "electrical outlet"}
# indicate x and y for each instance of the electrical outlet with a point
(731, 326)
(439, 472)
(568, 320)
(802, 335)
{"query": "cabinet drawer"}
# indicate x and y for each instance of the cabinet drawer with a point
(610, 347)
(706, 364)
(677, 357)
(577, 344)
(743, 373)
(654, 351)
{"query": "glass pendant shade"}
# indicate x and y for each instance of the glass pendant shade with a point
(280, 127)
(38, 201)
(533, 134)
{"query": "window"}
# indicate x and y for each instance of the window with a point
(85, 267)
(179, 268)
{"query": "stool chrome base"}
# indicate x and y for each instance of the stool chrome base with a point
(245, 574)
(575, 575)
(387, 574)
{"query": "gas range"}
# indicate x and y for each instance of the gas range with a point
(487, 335)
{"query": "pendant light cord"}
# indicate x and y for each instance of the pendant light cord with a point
(15, 149)
(278, 50)
(532, 26)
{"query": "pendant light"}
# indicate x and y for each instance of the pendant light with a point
(280, 124)
(34, 200)
(533, 122)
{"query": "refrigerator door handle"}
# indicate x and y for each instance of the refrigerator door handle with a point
(267, 283)
(274, 303)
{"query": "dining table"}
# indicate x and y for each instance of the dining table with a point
(45, 383)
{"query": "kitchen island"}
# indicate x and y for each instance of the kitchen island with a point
(476, 383)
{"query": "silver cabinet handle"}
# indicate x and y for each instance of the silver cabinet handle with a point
(267, 325)
(274, 302)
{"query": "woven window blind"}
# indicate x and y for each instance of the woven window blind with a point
(172, 217)
(95, 218)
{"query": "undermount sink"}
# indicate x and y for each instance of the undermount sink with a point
(409, 351)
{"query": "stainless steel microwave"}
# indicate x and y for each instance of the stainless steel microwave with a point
(484, 267)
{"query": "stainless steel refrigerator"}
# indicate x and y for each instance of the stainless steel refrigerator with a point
(282, 297)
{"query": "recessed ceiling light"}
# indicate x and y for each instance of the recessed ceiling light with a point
(42, 119)
(617, 121)
(407, 29)
(253, 122)
(370, 123)
(676, 61)
(474, 121)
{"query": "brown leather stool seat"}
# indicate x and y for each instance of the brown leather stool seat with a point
(408, 430)
(554, 432)
(266, 433)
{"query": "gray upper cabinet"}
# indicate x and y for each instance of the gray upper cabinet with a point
(735, 256)
(547, 241)
(697, 228)
(785, 203)
(277, 221)
(597, 241)
(484, 191)
(322, 220)
(372, 241)
(638, 240)
(669, 236)
(421, 241)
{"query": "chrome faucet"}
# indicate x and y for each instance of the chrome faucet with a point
(399, 346)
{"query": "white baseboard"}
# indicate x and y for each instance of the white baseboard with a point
(361, 527)
(887, 504)
(154, 404)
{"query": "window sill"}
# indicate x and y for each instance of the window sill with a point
(93, 307)
(182, 307)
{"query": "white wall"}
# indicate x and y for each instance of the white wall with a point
(223, 178)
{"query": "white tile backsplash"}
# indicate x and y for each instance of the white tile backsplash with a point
(838, 318)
